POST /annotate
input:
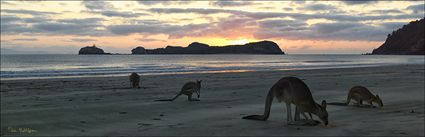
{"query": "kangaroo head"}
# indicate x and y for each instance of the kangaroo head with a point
(322, 113)
(199, 87)
(379, 101)
(134, 74)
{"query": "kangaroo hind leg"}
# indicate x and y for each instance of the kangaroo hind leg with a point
(288, 113)
(189, 97)
(297, 114)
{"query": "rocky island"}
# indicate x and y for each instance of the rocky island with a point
(262, 47)
(409, 40)
(91, 50)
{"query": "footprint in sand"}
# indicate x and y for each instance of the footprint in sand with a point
(143, 124)
(176, 125)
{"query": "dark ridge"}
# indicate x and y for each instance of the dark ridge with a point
(262, 47)
(408, 40)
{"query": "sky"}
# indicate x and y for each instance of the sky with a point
(298, 27)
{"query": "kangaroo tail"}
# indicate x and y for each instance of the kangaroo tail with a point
(348, 99)
(169, 99)
(164, 100)
(266, 114)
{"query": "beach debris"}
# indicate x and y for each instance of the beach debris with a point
(143, 124)
(123, 112)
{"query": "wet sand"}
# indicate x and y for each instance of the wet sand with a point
(107, 106)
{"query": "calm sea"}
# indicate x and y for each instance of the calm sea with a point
(47, 66)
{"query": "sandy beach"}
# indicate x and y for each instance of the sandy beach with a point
(108, 106)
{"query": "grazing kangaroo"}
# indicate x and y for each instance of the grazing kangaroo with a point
(134, 80)
(188, 89)
(360, 94)
(292, 90)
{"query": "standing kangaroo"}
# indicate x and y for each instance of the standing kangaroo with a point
(360, 93)
(292, 90)
(134, 80)
(188, 89)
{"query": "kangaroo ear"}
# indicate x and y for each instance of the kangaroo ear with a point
(324, 103)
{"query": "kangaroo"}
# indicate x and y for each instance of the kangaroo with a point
(188, 89)
(360, 93)
(134, 80)
(292, 90)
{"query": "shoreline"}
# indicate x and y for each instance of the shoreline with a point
(202, 72)
(108, 107)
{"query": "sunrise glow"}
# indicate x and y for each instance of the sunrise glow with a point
(119, 26)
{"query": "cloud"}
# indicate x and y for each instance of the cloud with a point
(9, 19)
(387, 11)
(188, 10)
(230, 27)
(141, 28)
(328, 31)
(275, 23)
(158, 28)
(14, 25)
(149, 3)
(82, 39)
(231, 24)
(359, 2)
(392, 25)
(417, 8)
(230, 3)
(298, 16)
(288, 9)
(305, 47)
(6, 3)
(111, 13)
(26, 39)
(318, 7)
(69, 28)
(226, 27)
(35, 20)
(42, 26)
(82, 21)
(326, 28)
(97, 5)
(107, 9)
(165, 3)
(28, 12)
(150, 40)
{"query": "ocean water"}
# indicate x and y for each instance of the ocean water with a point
(48, 66)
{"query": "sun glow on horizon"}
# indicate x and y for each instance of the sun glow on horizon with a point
(239, 42)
